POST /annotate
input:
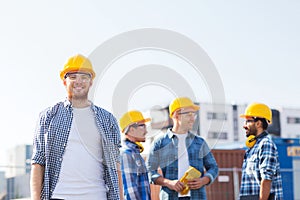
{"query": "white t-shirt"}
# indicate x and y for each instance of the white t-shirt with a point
(183, 158)
(81, 174)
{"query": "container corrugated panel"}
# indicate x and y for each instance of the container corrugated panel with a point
(226, 185)
(289, 157)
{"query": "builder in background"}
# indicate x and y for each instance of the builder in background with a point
(134, 173)
(261, 177)
(176, 151)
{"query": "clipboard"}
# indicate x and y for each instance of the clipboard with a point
(191, 173)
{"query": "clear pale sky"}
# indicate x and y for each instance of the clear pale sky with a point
(254, 45)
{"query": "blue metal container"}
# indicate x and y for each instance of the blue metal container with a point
(289, 154)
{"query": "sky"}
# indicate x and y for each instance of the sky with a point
(252, 47)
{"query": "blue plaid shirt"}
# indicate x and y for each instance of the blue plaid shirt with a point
(51, 138)
(261, 162)
(134, 173)
(164, 154)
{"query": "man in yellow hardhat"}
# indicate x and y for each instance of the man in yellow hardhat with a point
(261, 177)
(178, 150)
(76, 143)
(134, 173)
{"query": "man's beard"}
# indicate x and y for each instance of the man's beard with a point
(252, 131)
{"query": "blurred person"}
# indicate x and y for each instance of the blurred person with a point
(76, 144)
(261, 177)
(176, 151)
(136, 184)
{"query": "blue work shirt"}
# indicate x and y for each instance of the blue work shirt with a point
(134, 173)
(164, 154)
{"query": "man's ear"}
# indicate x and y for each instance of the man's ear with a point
(91, 83)
(175, 114)
(64, 82)
(129, 131)
(259, 123)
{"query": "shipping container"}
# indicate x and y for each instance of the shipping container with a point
(227, 184)
(289, 158)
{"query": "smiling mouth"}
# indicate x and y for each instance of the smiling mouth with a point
(78, 88)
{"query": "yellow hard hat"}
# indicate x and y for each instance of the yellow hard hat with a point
(77, 63)
(258, 110)
(132, 117)
(181, 102)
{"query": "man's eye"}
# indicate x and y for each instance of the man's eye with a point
(72, 77)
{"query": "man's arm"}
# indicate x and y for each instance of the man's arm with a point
(120, 181)
(210, 164)
(36, 181)
(265, 188)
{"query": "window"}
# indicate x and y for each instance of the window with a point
(217, 116)
(293, 120)
(218, 135)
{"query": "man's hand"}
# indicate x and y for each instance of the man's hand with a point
(197, 183)
(175, 185)
(171, 184)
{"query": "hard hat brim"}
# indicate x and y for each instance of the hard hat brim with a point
(195, 107)
(245, 116)
(141, 121)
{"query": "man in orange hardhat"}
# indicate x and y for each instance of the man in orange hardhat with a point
(261, 177)
(76, 143)
(134, 173)
(178, 150)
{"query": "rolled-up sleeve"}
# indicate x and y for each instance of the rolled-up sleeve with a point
(153, 163)
(116, 139)
(38, 155)
(210, 164)
(268, 160)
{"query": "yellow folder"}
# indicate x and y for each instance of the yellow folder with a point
(191, 173)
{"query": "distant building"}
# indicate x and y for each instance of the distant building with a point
(18, 187)
(2, 183)
(19, 160)
(290, 122)
(18, 172)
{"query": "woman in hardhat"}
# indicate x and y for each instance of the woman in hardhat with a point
(134, 173)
